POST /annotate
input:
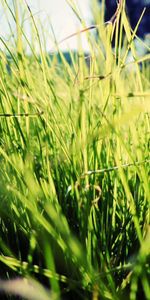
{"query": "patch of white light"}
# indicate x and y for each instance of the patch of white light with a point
(50, 14)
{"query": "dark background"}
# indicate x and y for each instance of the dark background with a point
(134, 9)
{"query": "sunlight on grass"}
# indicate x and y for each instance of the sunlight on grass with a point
(74, 154)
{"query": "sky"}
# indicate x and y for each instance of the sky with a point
(59, 14)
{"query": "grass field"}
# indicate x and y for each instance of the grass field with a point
(74, 165)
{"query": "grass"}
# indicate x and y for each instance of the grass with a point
(74, 157)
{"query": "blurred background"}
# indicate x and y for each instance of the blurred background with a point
(134, 10)
(56, 16)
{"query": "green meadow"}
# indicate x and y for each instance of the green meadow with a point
(74, 162)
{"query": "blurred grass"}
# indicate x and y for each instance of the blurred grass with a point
(74, 154)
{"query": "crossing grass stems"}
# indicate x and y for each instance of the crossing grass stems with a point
(74, 156)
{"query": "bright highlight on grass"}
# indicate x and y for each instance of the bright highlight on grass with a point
(75, 163)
